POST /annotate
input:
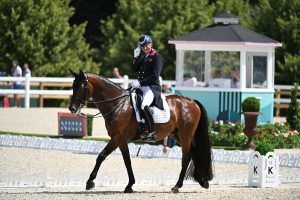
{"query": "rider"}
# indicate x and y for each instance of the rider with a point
(148, 65)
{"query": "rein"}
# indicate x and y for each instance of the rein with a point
(109, 100)
(101, 101)
(106, 114)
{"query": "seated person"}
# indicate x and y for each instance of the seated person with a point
(191, 82)
(235, 78)
(218, 80)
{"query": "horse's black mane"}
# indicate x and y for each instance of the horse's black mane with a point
(108, 82)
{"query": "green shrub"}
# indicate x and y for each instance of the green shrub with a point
(263, 147)
(227, 128)
(280, 140)
(229, 134)
(293, 111)
(227, 140)
(250, 104)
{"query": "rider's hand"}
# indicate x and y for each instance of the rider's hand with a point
(135, 85)
(136, 52)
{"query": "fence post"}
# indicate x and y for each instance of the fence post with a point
(41, 97)
(126, 81)
(27, 92)
(277, 104)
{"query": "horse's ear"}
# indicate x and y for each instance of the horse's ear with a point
(74, 74)
(82, 75)
(81, 72)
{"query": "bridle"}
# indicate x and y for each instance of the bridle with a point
(84, 95)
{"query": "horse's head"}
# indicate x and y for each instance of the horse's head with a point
(80, 92)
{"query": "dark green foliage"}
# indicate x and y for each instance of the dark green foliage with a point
(162, 20)
(250, 104)
(226, 140)
(293, 111)
(263, 147)
(38, 32)
(279, 20)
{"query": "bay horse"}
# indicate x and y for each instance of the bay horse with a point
(188, 124)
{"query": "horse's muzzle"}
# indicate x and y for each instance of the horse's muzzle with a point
(72, 109)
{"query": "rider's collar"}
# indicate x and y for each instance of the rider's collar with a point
(152, 52)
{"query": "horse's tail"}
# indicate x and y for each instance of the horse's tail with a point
(200, 168)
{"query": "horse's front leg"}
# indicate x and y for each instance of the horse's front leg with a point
(126, 157)
(110, 147)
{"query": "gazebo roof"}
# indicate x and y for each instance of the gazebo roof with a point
(226, 15)
(226, 29)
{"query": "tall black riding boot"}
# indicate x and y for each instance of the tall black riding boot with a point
(149, 123)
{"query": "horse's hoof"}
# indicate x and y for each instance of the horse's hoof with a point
(175, 189)
(128, 190)
(204, 184)
(89, 185)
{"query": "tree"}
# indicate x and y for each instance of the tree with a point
(162, 20)
(280, 20)
(38, 32)
(293, 111)
(241, 8)
(92, 11)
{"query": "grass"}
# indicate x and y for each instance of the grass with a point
(97, 139)
(29, 134)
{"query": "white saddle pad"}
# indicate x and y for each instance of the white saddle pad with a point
(159, 116)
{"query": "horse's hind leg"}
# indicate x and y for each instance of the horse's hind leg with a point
(110, 147)
(184, 165)
(127, 161)
(186, 158)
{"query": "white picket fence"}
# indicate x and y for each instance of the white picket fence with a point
(27, 91)
(279, 101)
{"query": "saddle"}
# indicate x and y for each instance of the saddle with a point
(159, 116)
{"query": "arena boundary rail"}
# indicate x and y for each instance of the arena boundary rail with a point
(281, 95)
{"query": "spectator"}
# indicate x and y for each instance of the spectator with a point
(16, 72)
(235, 78)
(165, 144)
(168, 142)
(116, 73)
(26, 70)
(217, 74)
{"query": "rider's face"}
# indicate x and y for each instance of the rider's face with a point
(147, 48)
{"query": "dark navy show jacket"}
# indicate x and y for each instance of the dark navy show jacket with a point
(149, 69)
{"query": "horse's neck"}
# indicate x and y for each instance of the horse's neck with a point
(104, 90)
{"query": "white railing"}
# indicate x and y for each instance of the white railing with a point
(28, 80)
(280, 90)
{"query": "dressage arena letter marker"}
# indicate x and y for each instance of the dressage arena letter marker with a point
(71, 125)
(263, 170)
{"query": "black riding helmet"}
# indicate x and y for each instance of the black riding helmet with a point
(144, 40)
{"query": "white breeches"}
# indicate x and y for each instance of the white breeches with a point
(148, 96)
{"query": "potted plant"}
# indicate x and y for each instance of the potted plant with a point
(250, 108)
(264, 147)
